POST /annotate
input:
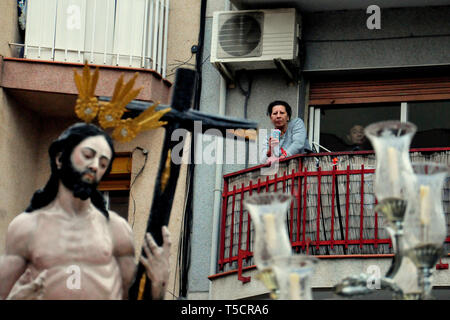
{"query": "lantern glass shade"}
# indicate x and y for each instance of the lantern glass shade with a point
(293, 274)
(391, 141)
(425, 221)
(268, 214)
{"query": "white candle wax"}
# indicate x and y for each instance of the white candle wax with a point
(271, 233)
(394, 176)
(294, 286)
(424, 205)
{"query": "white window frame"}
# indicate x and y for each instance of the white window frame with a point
(314, 124)
(127, 33)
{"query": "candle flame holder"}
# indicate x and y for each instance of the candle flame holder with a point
(394, 210)
(358, 285)
(425, 224)
(271, 242)
(425, 256)
(293, 275)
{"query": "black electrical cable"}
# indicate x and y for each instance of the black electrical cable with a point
(199, 55)
(246, 94)
(187, 227)
(188, 214)
(145, 153)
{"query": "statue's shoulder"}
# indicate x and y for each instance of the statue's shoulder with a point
(122, 234)
(23, 222)
(118, 221)
(20, 231)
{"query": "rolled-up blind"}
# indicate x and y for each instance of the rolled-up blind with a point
(120, 175)
(375, 91)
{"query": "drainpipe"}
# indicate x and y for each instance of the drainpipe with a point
(218, 179)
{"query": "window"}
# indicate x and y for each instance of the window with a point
(337, 122)
(109, 32)
(116, 185)
(118, 201)
(433, 123)
(336, 107)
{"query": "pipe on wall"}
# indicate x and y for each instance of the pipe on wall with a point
(218, 178)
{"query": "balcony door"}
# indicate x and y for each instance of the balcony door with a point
(129, 33)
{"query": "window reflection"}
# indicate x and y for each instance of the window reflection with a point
(117, 201)
(342, 126)
(432, 119)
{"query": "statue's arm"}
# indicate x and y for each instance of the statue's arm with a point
(14, 262)
(123, 251)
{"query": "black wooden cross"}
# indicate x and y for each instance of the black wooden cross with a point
(180, 117)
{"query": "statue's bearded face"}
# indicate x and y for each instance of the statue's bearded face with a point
(87, 164)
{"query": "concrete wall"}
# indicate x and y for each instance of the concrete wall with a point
(325, 49)
(335, 40)
(10, 28)
(184, 25)
(18, 137)
(19, 134)
(198, 285)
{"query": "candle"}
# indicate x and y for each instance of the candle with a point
(424, 205)
(394, 177)
(294, 286)
(269, 222)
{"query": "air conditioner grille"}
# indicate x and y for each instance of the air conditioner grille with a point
(240, 35)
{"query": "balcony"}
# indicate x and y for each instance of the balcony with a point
(120, 37)
(331, 217)
(104, 32)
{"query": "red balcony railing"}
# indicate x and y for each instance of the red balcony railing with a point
(332, 213)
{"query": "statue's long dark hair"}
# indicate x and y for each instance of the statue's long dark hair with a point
(65, 144)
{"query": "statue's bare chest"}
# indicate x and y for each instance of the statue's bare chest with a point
(59, 241)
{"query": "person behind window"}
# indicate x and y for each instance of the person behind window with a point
(293, 138)
(356, 140)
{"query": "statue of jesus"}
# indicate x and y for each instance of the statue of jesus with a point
(67, 245)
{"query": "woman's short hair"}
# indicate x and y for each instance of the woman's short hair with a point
(279, 103)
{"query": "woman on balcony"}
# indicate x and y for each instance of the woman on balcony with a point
(292, 139)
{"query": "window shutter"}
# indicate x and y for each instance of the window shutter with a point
(120, 175)
(376, 91)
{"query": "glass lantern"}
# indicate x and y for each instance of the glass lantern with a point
(425, 227)
(391, 141)
(425, 219)
(293, 274)
(268, 213)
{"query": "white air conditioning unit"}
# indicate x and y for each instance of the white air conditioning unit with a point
(255, 39)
